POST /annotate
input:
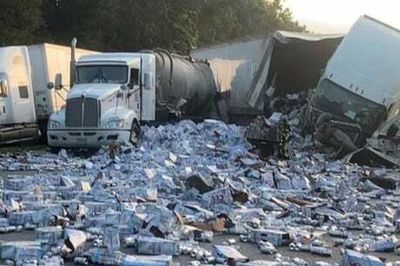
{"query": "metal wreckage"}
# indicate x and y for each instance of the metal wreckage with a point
(354, 111)
(212, 193)
(356, 104)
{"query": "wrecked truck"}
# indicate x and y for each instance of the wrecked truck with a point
(114, 93)
(360, 87)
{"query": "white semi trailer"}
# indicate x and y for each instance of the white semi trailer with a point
(26, 102)
(115, 92)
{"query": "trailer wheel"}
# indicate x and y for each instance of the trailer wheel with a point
(135, 132)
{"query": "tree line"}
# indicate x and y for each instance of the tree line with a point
(131, 25)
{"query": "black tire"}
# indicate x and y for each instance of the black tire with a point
(43, 132)
(54, 150)
(135, 132)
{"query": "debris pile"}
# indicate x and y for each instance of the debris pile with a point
(186, 185)
(288, 103)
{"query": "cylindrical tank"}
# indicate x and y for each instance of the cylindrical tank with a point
(180, 77)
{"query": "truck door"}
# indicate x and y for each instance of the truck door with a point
(134, 91)
(20, 90)
(23, 105)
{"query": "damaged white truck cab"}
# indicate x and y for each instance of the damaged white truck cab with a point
(361, 82)
(112, 93)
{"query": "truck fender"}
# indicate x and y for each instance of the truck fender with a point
(133, 120)
(135, 130)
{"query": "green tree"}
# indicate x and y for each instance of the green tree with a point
(20, 21)
(118, 25)
(222, 20)
(149, 24)
(88, 20)
(175, 25)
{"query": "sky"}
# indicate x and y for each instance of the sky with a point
(337, 16)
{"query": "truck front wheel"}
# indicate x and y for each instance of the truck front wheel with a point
(135, 132)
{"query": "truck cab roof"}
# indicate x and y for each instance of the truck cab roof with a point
(115, 58)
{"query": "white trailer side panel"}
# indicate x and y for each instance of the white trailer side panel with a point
(47, 60)
(39, 79)
(234, 66)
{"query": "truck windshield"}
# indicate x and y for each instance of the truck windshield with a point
(102, 74)
(340, 102)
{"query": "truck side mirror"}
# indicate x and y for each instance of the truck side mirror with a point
(124, 87)
(147, 80)
(58, 81)
(50, 85)
(3, 88)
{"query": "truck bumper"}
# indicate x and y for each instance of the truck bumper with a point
(64, 138)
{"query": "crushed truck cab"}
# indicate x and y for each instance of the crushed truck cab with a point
(112, 93)
(360, 85)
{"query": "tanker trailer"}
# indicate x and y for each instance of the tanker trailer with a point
(183, 86)
(114, 93)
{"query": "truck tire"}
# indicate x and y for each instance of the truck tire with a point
(43, 131)
(54, 150)
(135, 133)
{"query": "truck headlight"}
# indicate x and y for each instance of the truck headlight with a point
(54, 124)
(115, 124)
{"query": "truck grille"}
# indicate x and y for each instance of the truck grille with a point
(82, 112)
